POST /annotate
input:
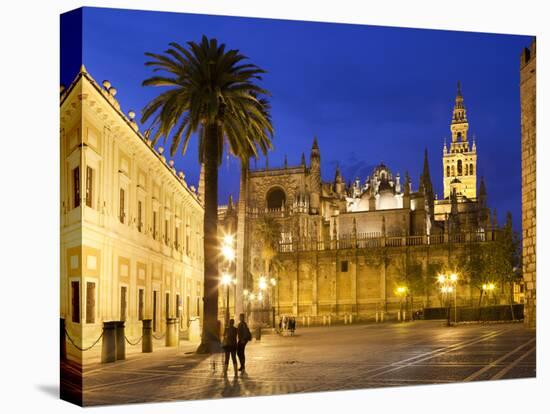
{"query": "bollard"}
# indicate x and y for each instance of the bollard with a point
(308, 321)
(62, 340)
(108, 345)
(120, 341)
(350, 319)
(303, 321)
(376, 317)
(382, 316)
(329, 320)
(147, 332)
(258, 333)
(324, 320)
(171, 332)
(398, 316)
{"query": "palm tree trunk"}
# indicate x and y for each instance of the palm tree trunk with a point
(241, 232)
(210, 332)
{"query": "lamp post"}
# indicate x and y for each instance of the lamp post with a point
(447, 283)
(226, 281)
(228, 252)
(488, 288)
(273, 283)
(401, 291)
(262, 284)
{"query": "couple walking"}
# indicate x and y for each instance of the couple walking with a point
(234, 343)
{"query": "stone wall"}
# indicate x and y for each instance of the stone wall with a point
(362, 282)
(528, 178)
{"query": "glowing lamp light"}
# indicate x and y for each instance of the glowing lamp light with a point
(454, 277)
(273, 282)
(228, 239)
(226, 279)
(441, 278)
(245, 292)
(260, 296)
(401, 290)
(263, 283)
(228, 252)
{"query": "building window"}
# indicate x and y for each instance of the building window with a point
(167, 305)
(140, 216)
(155, 225)
(448, 171)
(76, 187)
(89, 186)
(177, 238)
(453, 170)
(344, 266)
(459, 167)
(178, 305)
(275, 199)
(121, 214)
(75, 301)
(187, 245)
(471, 169)
(90, 302)
(155, 305)
(123, 303)
(141, 303)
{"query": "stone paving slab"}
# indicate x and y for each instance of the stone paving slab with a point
(323, 359)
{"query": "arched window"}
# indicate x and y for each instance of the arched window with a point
(448, 171)
(459, 135)
(275, 198)
(452, 170)
(471, 169)
(459, 167)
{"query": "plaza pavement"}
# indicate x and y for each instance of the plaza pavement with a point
(321, 359)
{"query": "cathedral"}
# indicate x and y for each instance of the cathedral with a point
(343, 246)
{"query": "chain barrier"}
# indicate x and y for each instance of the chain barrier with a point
(134, 343)
(159, 337)
(79, 348)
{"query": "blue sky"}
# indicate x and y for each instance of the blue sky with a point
(369, 93)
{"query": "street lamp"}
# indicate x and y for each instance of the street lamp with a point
(401, 291)
(273, 283)
(448, 284)
(488, 288)
(226, 281)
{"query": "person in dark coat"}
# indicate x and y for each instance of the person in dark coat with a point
(230, 346)
(243, 335)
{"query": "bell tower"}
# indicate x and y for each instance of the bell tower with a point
(460, 158)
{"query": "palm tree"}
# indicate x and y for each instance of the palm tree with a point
(213, 93)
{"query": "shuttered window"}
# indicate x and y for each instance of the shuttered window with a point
(89, 186)
(123, 303)
(76, 187)
(167, 305)
(90, 302)
(141, 304)
(140, 216)
(121, 203)
(75, 301)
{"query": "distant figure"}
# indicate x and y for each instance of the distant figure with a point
(230, 346)
(244, 335)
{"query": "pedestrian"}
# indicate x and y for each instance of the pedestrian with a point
(243, 335)
(292, 325)
(230, 346)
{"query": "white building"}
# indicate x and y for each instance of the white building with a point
(131, 228)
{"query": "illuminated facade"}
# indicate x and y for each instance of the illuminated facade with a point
(131, 228)
(344, 248)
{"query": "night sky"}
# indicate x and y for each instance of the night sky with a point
(370, 94)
